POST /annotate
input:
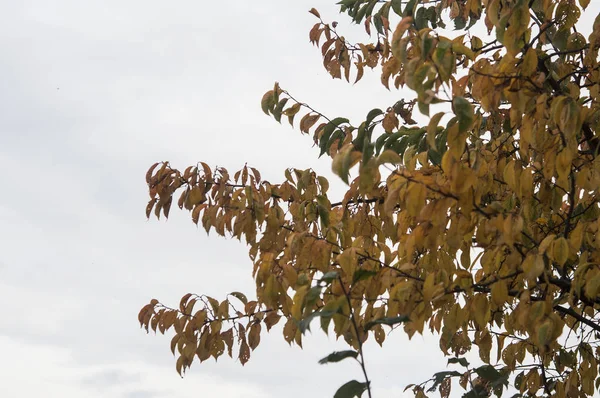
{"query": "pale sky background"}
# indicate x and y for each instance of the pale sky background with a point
(92, 93)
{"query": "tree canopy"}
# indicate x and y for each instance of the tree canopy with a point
(481, 225)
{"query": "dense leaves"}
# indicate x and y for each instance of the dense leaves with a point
(481, 225)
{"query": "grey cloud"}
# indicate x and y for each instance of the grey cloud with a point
(92, 94)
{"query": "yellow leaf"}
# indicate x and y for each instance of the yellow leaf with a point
(291, 112)
(543, 333)
(560, 251)
(592, 286)
(428, 287)
(499, 293)
(459, 48)
(576, 237)
(401, 28)
(391, 200)
(480, 310)
(533, 266)
(529, 63)
(545, 244)
(389, 156)
(415, 198)
(432, 129)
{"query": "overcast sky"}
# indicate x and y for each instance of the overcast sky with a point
(92, 93)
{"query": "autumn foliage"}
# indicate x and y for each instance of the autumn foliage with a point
(481, 225)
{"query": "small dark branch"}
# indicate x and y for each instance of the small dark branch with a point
(402, 273)
(358, 339)
(358, 201)
(486, 45)
(306, 105)
(499, 46)
(571, 205)
(544, 378)
(432, 189)
(592, 141)
(540, 33)
(214, 319)
(564, 52)
(580, 318)
(575, 72)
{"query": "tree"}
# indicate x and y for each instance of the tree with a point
(483, 228)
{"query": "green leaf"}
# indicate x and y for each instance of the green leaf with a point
(480, 392)
(387, 321)
(330, 276)
(397, 6)
(459, 22)
(464, 112)
(431, 14)
(362, 12)
(360, 136)
(341, 162)
(267, 102)
(362, 274)
(378, 22)
(351, 389)
(421, 20)
(380, 142)
(409, 10)
(323, 207)
(400, 146)
(325, 140)
(372, 115)
(278, 109)
(460, 361)
(491, 374)
(423, 108)
(240, 296)
(440, 377)
(304, 324)
(338, 356)
(313, 295)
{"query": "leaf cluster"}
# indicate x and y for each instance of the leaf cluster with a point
(481, 225)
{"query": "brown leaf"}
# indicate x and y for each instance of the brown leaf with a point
(150, 172)
(307, 122)
(390, 121)
(184, 301)
(149, 207)
(271, 319)
(314, 12)
(244, 354)
(254, 335)
(315, 34)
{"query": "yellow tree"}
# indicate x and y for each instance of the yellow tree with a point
(482, 225)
